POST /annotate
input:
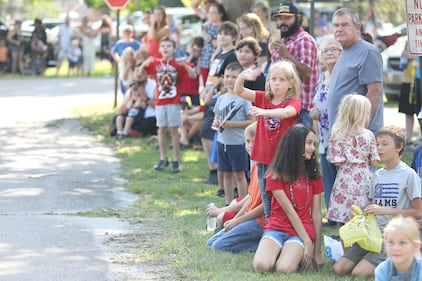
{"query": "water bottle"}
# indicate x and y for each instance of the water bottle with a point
(403, 63)
(211, 221)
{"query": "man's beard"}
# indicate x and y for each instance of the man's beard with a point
(292, 29)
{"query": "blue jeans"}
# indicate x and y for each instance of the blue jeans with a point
(266, 199)
(329, 172)
(305, 118)
(243, 237)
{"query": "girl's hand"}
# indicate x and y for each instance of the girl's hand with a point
(308, 254)
(318, 261)
(256, 111)
(251, 74)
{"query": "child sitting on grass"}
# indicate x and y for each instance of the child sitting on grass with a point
(243, 230)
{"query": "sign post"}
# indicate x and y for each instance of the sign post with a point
(414, 26)
(116, 5)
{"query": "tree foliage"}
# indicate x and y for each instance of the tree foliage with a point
(134, 5)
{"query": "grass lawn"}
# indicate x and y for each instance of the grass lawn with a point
(175, 205)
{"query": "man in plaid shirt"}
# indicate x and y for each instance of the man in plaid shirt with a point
(299, 47)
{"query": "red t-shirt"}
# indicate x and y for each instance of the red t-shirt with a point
(301, 197)
(190, 85)
(269, 131)
(167, 75)
(154, 48)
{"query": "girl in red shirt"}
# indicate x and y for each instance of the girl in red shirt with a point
(276, 109)
(292, 236)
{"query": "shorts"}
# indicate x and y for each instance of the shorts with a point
(214, 149)
(72, 64)
(168, 115)
(232, 158)
(206, 132)
(282, 238)
(62, 53)
(356, 254)
(404, 105)
(194, 99)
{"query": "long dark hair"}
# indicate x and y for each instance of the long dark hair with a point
(289, 163)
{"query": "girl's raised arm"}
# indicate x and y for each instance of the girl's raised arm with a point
(239, 88)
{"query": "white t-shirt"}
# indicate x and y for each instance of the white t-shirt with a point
(65, 34)
(394, 188)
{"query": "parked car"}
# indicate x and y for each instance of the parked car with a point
(392, 74)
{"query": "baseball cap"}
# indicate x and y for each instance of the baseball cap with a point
(286, 8)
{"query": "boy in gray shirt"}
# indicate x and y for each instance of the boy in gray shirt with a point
(231, 118)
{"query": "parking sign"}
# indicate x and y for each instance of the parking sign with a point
(414, 26)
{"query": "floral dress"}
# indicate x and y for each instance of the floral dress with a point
(320, 102)
(354, 176)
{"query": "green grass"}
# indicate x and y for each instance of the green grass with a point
(175, 205)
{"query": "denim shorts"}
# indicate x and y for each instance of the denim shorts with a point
(282, 238)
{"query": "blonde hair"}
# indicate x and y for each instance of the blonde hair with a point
(406, 225)
(353, 116)
(141, 54)
(128, 51)
(289, 70)
(252, 20)
(250, 130)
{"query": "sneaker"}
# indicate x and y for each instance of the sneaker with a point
(161, 165)
(211, 179)
(220, 193)
(175, 168)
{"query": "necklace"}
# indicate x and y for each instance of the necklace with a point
(293, 197)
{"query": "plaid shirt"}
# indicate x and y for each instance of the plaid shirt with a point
(303, 47)
(208, 49)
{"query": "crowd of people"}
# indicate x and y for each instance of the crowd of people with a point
(249, 90)
(251, 93)
(30, 54)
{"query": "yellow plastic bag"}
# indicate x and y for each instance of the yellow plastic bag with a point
(362, 229)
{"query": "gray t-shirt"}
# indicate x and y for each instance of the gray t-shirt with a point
(358, 65)
(394, 188)
(236, 109)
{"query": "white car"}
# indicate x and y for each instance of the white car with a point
(392, 74)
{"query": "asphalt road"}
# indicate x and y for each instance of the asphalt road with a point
(49, 171)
